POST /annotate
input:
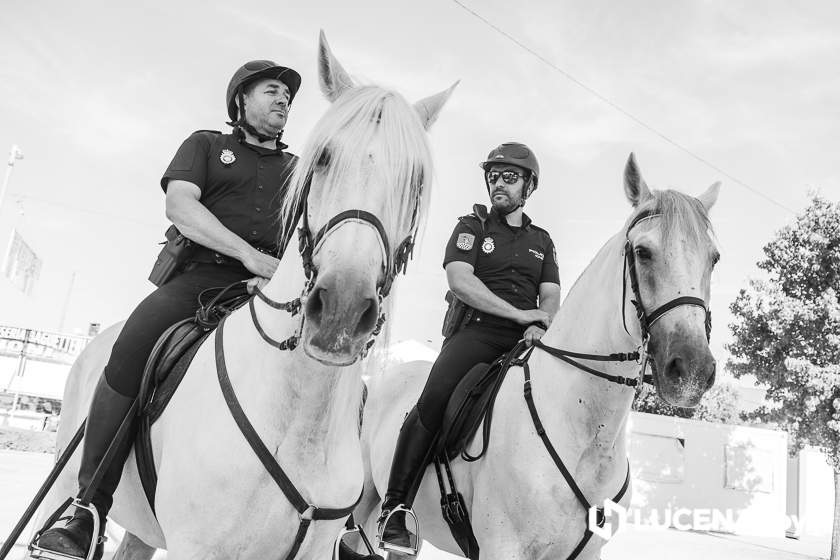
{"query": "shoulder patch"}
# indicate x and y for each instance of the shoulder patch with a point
(465, 241)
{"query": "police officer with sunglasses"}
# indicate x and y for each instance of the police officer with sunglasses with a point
(504, 269)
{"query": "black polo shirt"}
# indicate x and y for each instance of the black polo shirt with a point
(241, 184)
(511, 261)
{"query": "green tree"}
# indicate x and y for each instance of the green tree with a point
(719, 404)
(787, 333)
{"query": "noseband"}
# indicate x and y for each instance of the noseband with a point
(393, 263)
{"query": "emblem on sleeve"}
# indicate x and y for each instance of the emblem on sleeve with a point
(488, 245)
(227, 157)
(465, 241)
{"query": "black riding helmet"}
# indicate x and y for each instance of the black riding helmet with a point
(517, 154)
(255, 70)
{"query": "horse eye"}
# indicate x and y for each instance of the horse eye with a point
(643, 253)
(715, 258)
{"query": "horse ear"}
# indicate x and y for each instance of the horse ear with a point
(635, 187)
(332, 76)
(708, 198)
(429, 107)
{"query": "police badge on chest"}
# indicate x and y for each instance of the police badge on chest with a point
(227, 157)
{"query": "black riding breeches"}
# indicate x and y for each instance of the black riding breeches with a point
(471, 345)
(172, 302)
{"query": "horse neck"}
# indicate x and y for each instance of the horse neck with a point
(310, 407)
(590, 321)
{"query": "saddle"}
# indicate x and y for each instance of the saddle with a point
(470, 407)
(165, 369)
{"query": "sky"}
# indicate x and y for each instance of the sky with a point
(99, 95)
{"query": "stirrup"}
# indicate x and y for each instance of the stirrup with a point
(390, 547)
(355, 529)
(36, 551)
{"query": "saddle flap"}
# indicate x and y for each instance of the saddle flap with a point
(467, 407)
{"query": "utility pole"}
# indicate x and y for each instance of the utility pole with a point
(66, 302)
(14, 154)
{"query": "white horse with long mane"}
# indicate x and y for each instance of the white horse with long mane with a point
(365, 174)
(519, 503)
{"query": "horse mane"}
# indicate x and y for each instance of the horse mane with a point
(343, 136)
(681, 214)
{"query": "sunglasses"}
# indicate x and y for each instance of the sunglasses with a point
(509, 177)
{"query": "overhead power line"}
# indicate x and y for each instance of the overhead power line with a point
(618, 107)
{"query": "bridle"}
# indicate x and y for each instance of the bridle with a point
(646, 320)
(393, 263)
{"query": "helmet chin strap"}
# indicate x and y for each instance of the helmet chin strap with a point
(243, 123)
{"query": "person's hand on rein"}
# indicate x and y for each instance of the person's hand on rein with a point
(255, 283)
(260, 264)
(530, 316)
(532, 334)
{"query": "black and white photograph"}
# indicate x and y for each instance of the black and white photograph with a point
(394, 280)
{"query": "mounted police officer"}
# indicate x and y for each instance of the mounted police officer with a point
(223, 193)
(504, 269)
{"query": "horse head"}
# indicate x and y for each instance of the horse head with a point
(365, 176)
(669, 256)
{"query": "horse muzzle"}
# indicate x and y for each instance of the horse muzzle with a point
(340, 316)
(683, 367)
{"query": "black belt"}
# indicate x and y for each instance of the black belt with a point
(481, 318)
(209, 256)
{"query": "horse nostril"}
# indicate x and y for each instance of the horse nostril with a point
(675, 369)
(370, 315)
(315, 304)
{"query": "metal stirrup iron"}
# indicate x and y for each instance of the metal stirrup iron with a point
(390, 547)
(36, 551)
(350, 528)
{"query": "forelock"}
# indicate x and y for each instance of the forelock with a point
(683, 217)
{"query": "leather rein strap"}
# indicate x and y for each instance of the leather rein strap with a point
(292, 307)
(306, 511)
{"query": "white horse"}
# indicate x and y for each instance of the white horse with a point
(520, 505)
(365, 173)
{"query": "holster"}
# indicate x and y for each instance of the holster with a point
(176, 251)
(457, 315)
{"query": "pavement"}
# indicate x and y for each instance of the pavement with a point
(22, 473)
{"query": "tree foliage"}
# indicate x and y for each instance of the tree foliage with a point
(786, 330)
(719, 404)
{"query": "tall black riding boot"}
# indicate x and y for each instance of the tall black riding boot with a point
(414, 448)
(108, 409)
